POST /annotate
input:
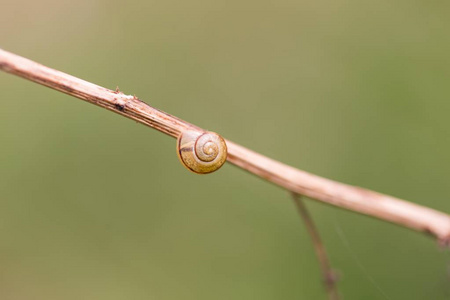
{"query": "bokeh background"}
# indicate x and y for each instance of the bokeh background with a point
(95, 206)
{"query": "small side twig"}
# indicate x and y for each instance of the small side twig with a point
(329, 277)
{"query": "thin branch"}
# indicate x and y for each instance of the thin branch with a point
(349, 197)
(329, 278)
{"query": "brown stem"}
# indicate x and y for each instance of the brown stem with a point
(328, 276)
(300, 182)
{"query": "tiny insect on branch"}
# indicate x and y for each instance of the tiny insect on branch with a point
(356, 199)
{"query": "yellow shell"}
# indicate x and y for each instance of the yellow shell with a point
(201, 152)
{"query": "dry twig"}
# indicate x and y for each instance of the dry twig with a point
(349, 197)
(329, 277)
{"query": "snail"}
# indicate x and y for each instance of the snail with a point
(201, 152)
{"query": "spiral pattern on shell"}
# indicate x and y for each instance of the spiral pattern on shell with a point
(201, 152)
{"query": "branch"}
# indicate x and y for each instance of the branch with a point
(328, 276)
(360, 200)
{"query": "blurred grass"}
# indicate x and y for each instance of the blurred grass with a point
(94, 206)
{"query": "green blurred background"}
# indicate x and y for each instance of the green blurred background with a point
(95, 206)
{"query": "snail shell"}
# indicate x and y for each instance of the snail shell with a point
(201, 152)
